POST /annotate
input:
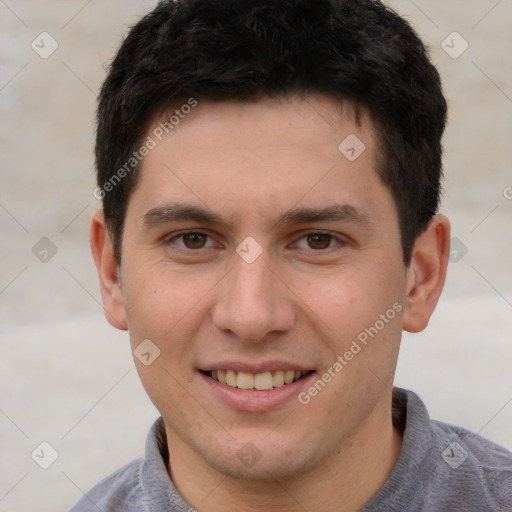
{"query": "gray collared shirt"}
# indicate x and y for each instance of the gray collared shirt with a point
(441, 468)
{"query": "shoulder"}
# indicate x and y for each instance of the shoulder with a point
(475, 465)
(463, 471)
(121, 490)
(143, 485)
(479, 449)
(444, 467)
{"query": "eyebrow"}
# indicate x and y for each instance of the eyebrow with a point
(174, 212)
(342, 212)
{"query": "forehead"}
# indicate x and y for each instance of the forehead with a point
(262, 157)
(298, 120)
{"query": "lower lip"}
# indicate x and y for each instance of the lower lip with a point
(256, 401)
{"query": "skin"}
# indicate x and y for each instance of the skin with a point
(302, 301)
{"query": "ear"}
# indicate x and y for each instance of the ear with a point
(426, 273)
(108, 272)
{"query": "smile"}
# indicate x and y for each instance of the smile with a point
(256, 381)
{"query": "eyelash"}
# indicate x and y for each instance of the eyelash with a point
(339, 241)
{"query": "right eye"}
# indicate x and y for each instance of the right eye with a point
(191, 240)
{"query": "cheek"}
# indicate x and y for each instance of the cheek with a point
(354, 301)
(162, 303)
(164, 307)
(341, 298)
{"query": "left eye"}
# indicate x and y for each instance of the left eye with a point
(318, 241)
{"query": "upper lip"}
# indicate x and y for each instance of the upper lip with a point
(255, 368)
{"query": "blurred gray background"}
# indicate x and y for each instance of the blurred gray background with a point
(67, 377)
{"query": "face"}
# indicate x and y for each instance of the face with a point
(256, 252)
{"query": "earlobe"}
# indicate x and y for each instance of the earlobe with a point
(108, 272)
(427, 273)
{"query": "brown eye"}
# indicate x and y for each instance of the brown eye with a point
(319, 241)
(194, 240)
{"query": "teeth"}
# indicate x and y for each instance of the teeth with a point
(278, 379)
(263, 381)
(289, 376)
(260, 381)
(230, 378)
(245, 380)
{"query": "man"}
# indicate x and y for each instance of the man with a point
(270, 176)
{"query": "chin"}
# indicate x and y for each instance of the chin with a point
(252, 462)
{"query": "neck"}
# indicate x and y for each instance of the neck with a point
(348, 480)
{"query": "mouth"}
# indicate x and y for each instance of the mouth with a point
(256, 381)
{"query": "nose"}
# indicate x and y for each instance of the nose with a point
(252, 302)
